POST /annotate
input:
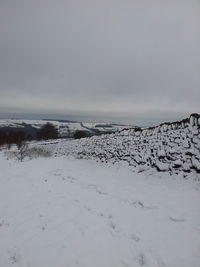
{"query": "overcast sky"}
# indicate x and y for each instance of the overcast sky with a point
(123, 59)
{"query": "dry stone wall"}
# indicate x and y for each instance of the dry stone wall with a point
(172, 147)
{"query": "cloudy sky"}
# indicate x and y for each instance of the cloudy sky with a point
(131, 60)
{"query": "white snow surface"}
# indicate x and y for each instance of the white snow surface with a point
(66, 212)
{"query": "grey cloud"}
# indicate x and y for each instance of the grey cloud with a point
(137, 58)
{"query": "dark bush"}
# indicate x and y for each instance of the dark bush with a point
(48, 131)
(3, 138)
(80, 134)
(12, 137)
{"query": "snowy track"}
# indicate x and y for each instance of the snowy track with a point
(64, 212)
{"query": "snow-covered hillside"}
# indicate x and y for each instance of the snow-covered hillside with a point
(65, 128)
(172, 147)
(64, 212)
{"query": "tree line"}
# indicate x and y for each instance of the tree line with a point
(10, 136)
(14, 136)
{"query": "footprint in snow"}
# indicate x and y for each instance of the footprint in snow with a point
(14, 257)
(135, 238)
(100, 192)
(87, 208)
(112, 225)
(150, 258)
(114, 230)
(4, 223)
(142, 259)
(109, 216)
(96, 187)
(57, 172)
(71, 179)
(141, 205)
(44, 227)
(177, 219)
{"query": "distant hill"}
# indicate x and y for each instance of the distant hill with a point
(66, 128)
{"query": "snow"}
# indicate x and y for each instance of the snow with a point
(196, 163)
(162, 166)
(177, 162)
(65, 128)
(60, 211)
(186, 144)
(161, 153)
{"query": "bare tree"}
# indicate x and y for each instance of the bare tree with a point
(22, 151)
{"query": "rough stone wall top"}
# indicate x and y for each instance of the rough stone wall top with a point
(173, 147)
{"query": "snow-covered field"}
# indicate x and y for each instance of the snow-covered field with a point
(65, 128)
(64, 212)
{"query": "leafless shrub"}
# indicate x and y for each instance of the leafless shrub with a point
(25, 151)
(36, 152)
(22, 151)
